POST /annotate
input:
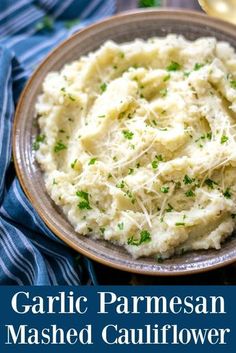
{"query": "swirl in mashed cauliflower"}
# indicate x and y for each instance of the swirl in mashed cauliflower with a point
(137, 144)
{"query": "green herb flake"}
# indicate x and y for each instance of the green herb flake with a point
(210, 183)
(166, 78)
(145, 237)
(197, 66)
(121, 185)
(165, 189)
(92, 161)
(233, 84)
(187, 180)
(155, 164)
(73, 99)
(131, 170)
(84, 200)
(73, 163)
(170, 208)
(109, 176)
(159, 157)
(159, 259)
(190, 193)
(71, 23)
(186, 74)
(179, 224)
(148, 3)
(163, 92)
(102, 230)
(37, 141)
(101, 116)
(223, 139)
(120, 226)
(154, 122)
(174, 66)
(128, 134)
(46, 23)
(59, 146)
(103, 87)
(227, 194)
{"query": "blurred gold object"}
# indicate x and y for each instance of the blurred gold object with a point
(224, 9)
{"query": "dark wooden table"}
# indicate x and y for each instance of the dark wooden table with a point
(223, 276)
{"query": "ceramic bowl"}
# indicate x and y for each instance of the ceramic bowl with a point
(120, 28)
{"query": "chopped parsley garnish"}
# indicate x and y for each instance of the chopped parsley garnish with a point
(154, 122)
(210, 183)
(165, 189)
(120, 226)
(62, 131)
(159, 259)
(190, 193)
(92, 161)
(109, 176)
(84, 200)
(174, 66)
(73, 163)
(128, 134)
(209, 135)
(121, 185)
(187, 180)
(71, 23)
(197, 66)
(138, 165)
(71, 97)
(233, 84)
(122, 55)
(166, 78)
(54, 182)
(163, 92)
(170, 208)
(179, 224)
(155, 164)
(38, 140)
(227, 194)
(101, 116)
(102, 230)
(47, 23)
(147, 3)
(177, 185)
(223, 139)
(186, 74)
(145, 237)
(159, 157)
(130, 195)
(130, 171)
(59, 146)
(103, 87)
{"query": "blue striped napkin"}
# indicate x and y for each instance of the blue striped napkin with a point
(30, 254)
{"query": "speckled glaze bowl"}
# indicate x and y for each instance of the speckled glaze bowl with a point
(121, 28)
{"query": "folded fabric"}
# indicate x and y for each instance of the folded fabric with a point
(30, 254)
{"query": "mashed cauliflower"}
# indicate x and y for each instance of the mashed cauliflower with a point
(137, 144)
